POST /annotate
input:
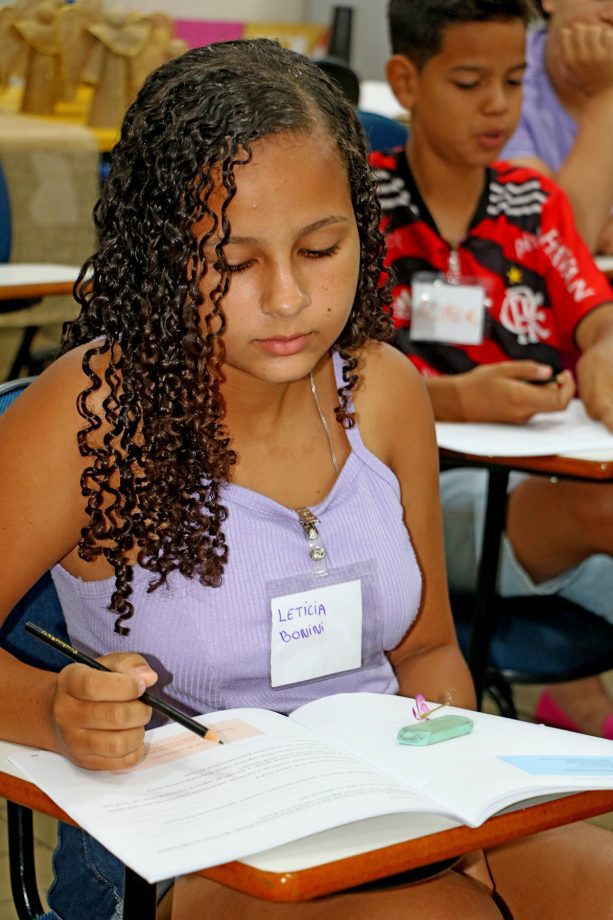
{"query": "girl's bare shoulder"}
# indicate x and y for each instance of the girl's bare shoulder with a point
(390, 400)
(48, 407)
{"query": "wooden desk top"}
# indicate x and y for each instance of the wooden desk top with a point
(575, 467)
(312, 867)
(21, 280)
(340, 874)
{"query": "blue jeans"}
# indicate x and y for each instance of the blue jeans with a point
(88, 882)
(88, 879)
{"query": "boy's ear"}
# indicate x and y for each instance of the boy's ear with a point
(402, 76)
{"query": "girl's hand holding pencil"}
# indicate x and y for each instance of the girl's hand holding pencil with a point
(101, 706)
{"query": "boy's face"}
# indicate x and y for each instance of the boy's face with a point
(465, 101)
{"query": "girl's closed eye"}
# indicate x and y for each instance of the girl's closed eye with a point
(321, 253)
(237, 267)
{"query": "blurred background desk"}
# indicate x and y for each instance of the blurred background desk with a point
(32, 296)
(595, 467)
(51, 171)
(605, 264)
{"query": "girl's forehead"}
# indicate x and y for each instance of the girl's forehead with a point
(294, 180)
(275, 164)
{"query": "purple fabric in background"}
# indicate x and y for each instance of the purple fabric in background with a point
(545, 129)
(197, 32)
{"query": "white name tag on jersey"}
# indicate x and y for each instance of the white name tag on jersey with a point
(444, 312)
(316, 633)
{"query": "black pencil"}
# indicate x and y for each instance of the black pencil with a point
(159, 705)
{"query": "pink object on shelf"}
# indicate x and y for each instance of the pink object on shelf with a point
(549, 713)
(197, 32)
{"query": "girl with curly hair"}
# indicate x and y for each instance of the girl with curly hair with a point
(225, 392)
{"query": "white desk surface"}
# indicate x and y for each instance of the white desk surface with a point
(377, 96)
(12, 273)
(605, 264)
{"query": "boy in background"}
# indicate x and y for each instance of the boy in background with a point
(566, 125)
(537, 305)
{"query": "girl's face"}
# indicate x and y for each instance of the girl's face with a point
(294, 256)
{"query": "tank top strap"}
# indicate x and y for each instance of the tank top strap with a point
(353, 434)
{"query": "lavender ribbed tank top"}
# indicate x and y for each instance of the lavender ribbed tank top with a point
(211, 646)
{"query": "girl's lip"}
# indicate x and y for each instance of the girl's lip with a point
(285, 345)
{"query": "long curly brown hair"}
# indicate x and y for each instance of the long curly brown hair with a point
(154, 481)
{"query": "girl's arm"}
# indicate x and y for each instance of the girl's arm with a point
(396, 424)
(41, 516)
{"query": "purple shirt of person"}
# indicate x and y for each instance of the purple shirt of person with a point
(545, 128)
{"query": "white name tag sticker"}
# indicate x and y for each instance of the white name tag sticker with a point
(447, 312)
(316, 633)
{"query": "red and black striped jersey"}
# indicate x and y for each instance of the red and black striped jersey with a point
(521, 243)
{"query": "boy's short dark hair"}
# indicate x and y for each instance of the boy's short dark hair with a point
(417, 26)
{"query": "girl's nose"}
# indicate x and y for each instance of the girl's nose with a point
(286, 294)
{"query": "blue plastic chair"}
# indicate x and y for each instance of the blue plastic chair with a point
(536, 640)
(5, 220)
(383, 133)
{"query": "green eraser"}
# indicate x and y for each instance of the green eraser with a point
(431, 731)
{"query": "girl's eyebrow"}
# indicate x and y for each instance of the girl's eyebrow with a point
(304, 231)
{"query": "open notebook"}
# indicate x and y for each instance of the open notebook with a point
(192, 804)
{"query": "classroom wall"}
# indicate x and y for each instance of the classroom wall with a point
(370, 43)
(279, 10)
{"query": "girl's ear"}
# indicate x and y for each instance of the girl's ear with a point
(402, 76)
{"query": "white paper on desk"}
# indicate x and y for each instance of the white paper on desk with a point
(221, 803)
(605, 264)
(335, 761)
(545, 434)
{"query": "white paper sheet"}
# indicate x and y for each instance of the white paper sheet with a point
(545, 434)
(191, 811)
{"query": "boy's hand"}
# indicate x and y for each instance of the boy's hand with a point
(505, 392)
(595, 377)
(587, 52)
(98, 719)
